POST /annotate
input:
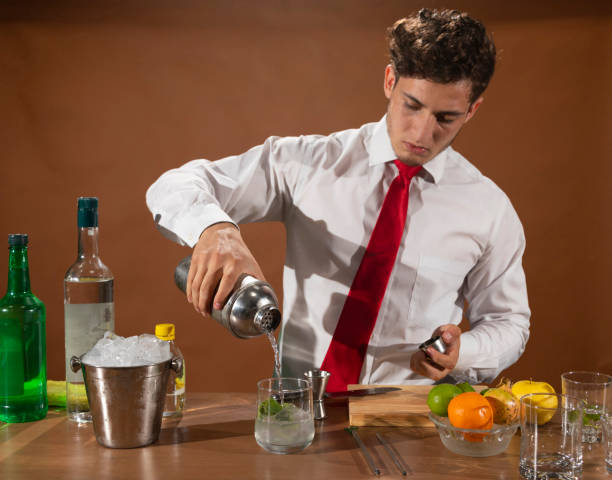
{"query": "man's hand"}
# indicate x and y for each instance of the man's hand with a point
(219, 258)
(434, 364)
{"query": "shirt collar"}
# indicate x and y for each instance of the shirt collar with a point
(380, 148)
(381, 151)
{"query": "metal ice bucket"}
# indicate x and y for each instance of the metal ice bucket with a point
(126, 403)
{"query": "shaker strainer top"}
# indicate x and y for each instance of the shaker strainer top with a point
(251, 309)
(267, 318)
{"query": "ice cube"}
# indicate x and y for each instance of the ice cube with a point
(116, 351)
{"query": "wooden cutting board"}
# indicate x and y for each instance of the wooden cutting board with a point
(403, 408)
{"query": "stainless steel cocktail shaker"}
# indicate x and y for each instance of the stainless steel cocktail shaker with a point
(250, 310)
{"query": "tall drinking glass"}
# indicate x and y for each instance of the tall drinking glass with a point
(284, 422)
(594, 390)
(551, 436)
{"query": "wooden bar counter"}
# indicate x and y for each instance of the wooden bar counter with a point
(214, 439)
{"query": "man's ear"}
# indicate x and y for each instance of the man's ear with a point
(389, 80)
(473, 107)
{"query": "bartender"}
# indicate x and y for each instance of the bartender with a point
(390, 231)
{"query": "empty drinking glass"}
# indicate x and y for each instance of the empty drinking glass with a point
(551, 436)
(284, 422)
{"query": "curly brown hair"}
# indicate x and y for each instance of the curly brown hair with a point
(444, 46)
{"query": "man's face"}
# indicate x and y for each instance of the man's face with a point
(424, 117)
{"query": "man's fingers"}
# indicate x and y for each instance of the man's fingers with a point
(193, 287)
(443, 360)
(450, 333)
(218, 259)
(420, 364)
(209, 283)
(416, 362)
(432, 371)
(225, 287)
(190, 275)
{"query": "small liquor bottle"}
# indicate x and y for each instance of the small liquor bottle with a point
(175, 395)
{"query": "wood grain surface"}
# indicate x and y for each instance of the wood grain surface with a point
(215, 440)
(405, 408)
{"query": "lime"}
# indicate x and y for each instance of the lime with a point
(439, 396)
(56, 393)
(466, 387)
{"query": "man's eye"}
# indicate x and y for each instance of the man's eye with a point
(412, 107)
(445, 120)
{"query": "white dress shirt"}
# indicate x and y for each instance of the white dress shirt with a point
(463, 241)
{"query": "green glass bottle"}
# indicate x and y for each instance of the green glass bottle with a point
(23, 352)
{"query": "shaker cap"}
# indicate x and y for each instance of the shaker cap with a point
(17, 239)
(251, 309)
(87, 212)
(164, 331)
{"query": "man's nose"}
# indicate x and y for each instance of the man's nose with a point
(423, 129)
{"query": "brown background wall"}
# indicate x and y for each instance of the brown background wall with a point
(101, 100)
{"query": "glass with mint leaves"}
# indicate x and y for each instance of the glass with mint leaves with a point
(284, 422)
(594, 390)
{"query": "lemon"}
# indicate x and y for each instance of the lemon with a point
(439, 397)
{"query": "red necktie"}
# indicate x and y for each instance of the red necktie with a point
(347, 349)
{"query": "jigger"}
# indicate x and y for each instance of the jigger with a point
(318, 379)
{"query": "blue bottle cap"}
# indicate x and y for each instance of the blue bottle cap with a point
(87, 215)
(17, 239)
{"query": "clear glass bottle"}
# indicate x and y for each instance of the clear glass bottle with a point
(175, 396)
(89, 309)
(23, 348)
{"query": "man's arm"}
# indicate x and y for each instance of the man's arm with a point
(201, 203)
(498, 312)
(498, 308)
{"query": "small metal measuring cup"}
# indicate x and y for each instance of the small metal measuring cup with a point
(435, 342)
(318, 379)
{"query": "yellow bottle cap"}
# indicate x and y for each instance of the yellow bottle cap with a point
(164, 331)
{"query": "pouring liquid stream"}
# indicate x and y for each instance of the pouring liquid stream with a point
(277, 364)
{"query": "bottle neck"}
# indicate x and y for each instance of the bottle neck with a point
(18, 271)
(88, 242)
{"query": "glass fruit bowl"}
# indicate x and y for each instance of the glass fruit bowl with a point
(474, 443)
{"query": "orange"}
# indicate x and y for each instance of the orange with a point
(470, 410)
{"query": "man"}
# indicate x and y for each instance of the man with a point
(367, 280)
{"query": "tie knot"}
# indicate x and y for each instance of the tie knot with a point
(407, 171)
